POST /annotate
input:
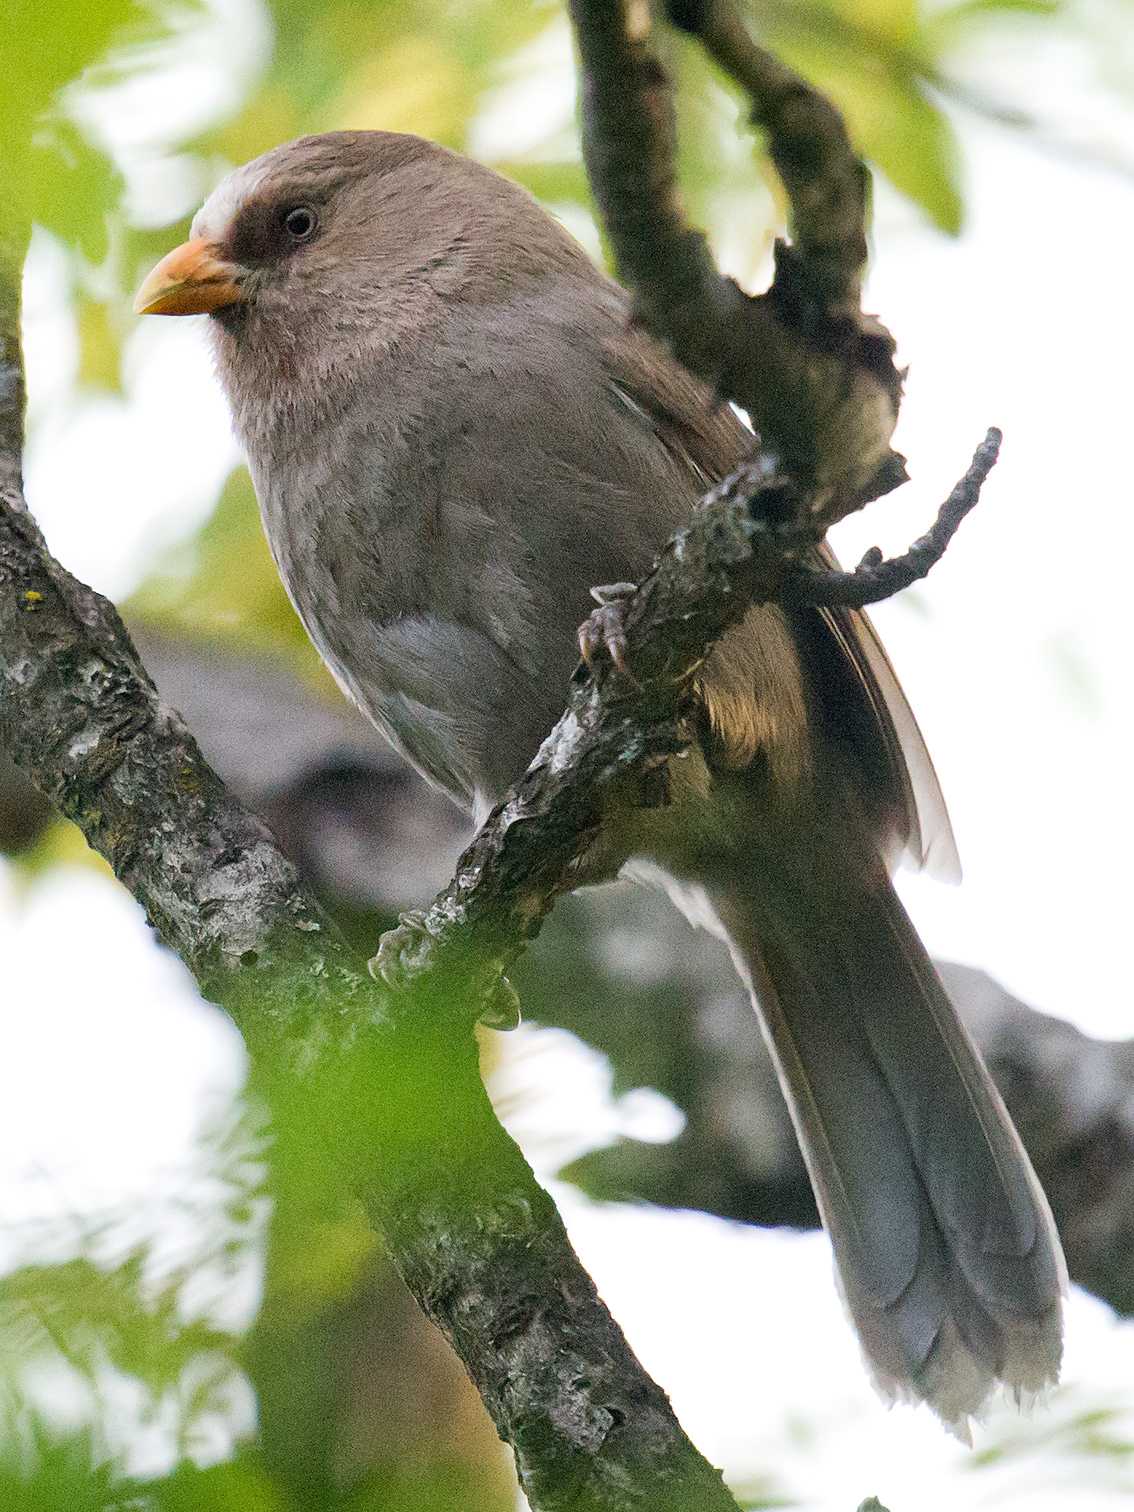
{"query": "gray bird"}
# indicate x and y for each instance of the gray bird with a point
(455, 431)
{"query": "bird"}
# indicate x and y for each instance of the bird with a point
(456, 431)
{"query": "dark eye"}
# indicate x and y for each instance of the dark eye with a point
(300, 223)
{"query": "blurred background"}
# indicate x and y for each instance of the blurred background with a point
(145, 1325)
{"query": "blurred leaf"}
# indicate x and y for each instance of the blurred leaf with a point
(873, 63)
(53, 176)
(983, 10)
(99, 346)
(895, 20)
(896, 126)
(239, 1485)
(68, 1473)
(1099, 1432)
(68, 1476)
(88, 1313)
(98, 1319)
(752, 1496)
(59, 843)
(316, 1263)
(416, 85)
(45, 48)
(420, 66)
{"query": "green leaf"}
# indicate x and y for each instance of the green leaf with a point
(87, 1312)
(968, 22)
(878, 73)
(46, 47)
(983, 10)
(72, 1476)
(100, 346)
(239, 1485)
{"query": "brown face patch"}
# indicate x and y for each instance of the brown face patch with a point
(301, 179)
(270, 227)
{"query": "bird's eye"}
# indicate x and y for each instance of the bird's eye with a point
(300, 223)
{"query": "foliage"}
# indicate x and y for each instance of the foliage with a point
(69, 1474)
(55, 176)
(108, 1338)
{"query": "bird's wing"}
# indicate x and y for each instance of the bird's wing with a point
(927, 842)
(860, 696)
(702, 432)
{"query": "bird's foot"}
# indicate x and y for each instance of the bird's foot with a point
(401, 951)
(606, 625)
(501, 1008)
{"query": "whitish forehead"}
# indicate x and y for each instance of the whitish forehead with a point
(215, 215)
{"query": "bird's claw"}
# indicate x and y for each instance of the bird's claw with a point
(606, 625)
(401, 951)
(404, 951)
(501, 1008)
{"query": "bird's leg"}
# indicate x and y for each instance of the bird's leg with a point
(606, 625)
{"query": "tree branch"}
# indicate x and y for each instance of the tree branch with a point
(11, 372)
(616, 732)
(815, 374)
(619, 729)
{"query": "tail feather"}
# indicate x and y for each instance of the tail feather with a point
(947, 1253)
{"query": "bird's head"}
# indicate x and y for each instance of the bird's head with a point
(309, 221)
(347, 227)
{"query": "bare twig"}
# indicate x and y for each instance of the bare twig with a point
(875, 579)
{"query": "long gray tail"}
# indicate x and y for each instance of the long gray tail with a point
(948, 1256)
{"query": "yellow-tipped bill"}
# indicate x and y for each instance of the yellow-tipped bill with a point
(191, 280)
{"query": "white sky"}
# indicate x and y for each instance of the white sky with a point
(1015, 656)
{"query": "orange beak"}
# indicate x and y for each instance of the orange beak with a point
(191, 280)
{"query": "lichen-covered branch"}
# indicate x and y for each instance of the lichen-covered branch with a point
(385, 1085)
(11, 373)
(816, 375)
